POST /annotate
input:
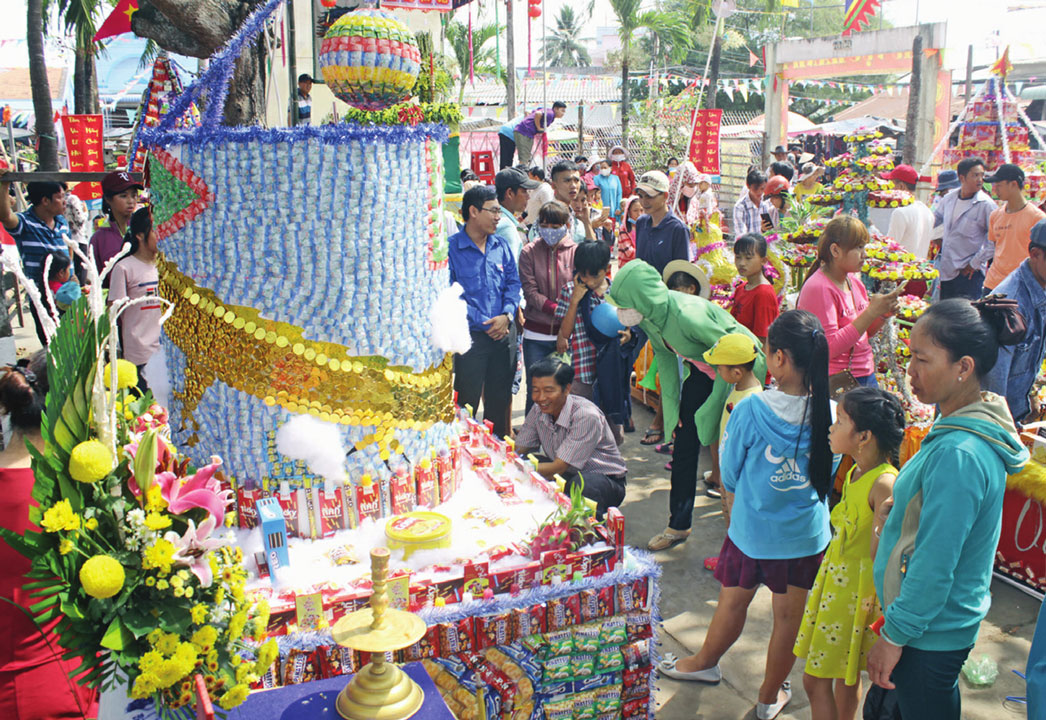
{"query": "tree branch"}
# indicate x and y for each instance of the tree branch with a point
(190, 27)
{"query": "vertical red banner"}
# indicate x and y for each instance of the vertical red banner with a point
(83, 142)
(704, 142)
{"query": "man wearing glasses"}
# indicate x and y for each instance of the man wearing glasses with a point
(485, 266)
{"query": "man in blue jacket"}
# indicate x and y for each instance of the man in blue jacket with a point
(485, 267)
(1014, 373)
(965, 248)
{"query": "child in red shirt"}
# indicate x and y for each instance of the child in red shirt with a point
(755, 303)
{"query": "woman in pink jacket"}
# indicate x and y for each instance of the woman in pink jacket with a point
(835, 294)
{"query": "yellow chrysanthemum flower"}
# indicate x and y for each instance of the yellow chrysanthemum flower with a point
(162, 585)
(90, 461)
(65, 546)
(154, 501)
(144, 686)
(266, 656)
(126, 374)
(150, 661)
(170, 672)
(91, 524)
(165, 644)
(102, 576)
(59, 517)
(233, 696)
(159, 555)
(198, 613)
(204, 638)
(156, 521)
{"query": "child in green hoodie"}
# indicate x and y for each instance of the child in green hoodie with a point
(933, 567)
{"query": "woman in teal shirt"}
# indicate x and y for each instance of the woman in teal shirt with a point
(933, 567)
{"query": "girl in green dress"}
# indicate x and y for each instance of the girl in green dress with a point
(834, 636)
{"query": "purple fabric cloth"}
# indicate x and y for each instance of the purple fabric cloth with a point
(735, 569)
(105, 243)
(528, 128)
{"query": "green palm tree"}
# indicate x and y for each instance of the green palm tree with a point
(669, 27)
(47, 150)
(564, 48)
(483, 55)
(78, 18)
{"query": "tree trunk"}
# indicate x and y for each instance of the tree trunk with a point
(85, 82)
(199, 27)
(625, 49)
(911, 126)
(510, 59)
(47, 147)
(713, 72)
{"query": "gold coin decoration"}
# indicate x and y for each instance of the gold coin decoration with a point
(272, 361)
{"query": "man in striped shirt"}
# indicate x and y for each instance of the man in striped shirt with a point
(573, 436)
(38, 231)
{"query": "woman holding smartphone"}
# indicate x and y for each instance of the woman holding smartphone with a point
(835, 294)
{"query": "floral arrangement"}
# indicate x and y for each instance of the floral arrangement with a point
(886, 260)
(828, 197)
(910, 307)
(841, 160)
(875, 163)
(127, 556)
(862, 136)
(407, 114)
(879, 148)
(797, 254)
(850, 183)
(890, 198)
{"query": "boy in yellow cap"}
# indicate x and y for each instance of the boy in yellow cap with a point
(733, 356)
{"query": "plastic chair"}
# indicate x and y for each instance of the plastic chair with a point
(483, 165)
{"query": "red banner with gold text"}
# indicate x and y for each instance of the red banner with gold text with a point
(704, 142)
(83, 142)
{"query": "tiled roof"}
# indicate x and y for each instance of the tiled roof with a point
(581, 89)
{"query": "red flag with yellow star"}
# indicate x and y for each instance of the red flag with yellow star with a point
(119, 20)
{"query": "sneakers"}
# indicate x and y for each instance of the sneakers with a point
(667, 667)
(764, 711)
(667, 538)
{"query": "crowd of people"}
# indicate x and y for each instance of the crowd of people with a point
(779, 397)
(570, 271)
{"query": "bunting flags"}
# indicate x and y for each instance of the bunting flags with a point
(752, 58)
(119, 20)
(858, 14)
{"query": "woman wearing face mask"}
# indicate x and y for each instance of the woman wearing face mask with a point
(546, 265)
(609, 189)
(680, 328)
(620, 167)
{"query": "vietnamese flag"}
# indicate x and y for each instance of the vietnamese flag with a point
(119, 20)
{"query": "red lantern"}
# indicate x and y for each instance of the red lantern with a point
(328, 3)
(535, 2)
(534, 11)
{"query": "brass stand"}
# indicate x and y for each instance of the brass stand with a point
(380, 690)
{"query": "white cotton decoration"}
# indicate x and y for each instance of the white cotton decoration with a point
(155, 372)
(450, 322)
(318, 443)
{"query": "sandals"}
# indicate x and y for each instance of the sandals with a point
(663, 448)
(653, 437)
(710, 676)
(666, 539)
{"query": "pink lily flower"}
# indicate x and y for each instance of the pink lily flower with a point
(201, 490)
(191, 549)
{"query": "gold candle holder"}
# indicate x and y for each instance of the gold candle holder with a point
(380, 690)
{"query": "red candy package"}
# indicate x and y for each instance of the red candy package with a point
(563, 612)
(528, 621)
(457, 636)
(597, 604)
(632, 596)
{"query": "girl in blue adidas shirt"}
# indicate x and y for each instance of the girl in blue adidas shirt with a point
(776, 467)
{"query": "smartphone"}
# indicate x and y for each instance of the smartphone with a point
(767, 220)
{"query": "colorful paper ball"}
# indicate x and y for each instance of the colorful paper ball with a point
(370, 59)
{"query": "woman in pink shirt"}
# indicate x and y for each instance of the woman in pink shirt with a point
(834, 293)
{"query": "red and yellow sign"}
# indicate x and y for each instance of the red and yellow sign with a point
(83, 142)
(704, 141)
